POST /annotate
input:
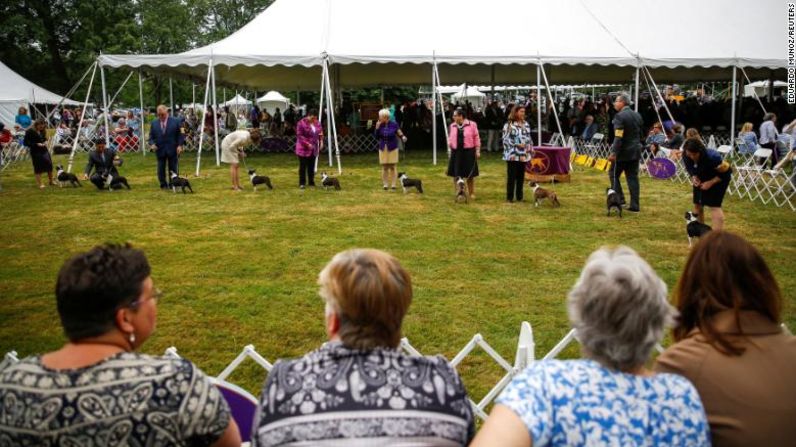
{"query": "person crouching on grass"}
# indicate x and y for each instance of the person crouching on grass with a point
(232, 150)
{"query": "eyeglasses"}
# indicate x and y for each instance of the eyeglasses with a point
(157, 294)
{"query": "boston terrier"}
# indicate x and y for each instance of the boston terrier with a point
(64, 177)
(259, 180)
(407, 182)
(180, 182)
(693, 227)
(461, 191)
(612, 201)
(539, 194)
(327, 182)
(114, 182)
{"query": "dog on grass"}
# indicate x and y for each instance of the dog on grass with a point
(694, 228)
(114, 182)
(612, 201)
(64, 177)
(407, 183)
(259, 180)
(461, 191)
(328, 182)
(539, 194)
(180, 182)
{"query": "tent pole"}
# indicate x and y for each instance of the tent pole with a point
(105, 107)
(320, 109)
(171, 95)
(329, 112)
(204, 114)
(80, 123)
(635, 106)
(660, 96)
(215, 117)
(113, 98)
(442, 110)
(539, 104)
(141, 124)
(550, 95)
(332, 122)
(434, 110)
(732, 113)
(193, 95)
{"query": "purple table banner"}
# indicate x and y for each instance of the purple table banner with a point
(549, 161)
(661, 168)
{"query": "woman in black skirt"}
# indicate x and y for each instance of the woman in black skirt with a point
(465, 150)
(710, 176)
(36, 141)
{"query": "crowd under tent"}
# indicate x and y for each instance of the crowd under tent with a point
(16, 92)
(566, 41)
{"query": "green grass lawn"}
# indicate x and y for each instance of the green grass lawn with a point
(240, 268)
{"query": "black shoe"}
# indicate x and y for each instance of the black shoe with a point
(634, 210)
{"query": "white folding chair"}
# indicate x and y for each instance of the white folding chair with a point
(556, 138)
(747, 181)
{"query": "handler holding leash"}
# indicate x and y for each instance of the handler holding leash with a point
(710, 176)
(465, 145)
(626, 151)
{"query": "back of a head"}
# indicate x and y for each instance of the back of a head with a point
(370, 292)
(619, 308)
(724, 272)
(93, 285)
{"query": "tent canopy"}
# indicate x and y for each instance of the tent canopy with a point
(239, 101)
(16, 92)
(568, 36)
(273, 100)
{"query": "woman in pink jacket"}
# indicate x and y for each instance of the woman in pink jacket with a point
(465, 150)
(309, 137)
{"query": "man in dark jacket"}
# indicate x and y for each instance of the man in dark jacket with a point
(100, 161)
(166, 139)
(626, 150)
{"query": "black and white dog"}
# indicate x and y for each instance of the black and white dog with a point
(66, 177)
(693, 227)
(259, 180)
(407, 182)
(612, 201)
(328, 182)
(114, 182)
(180, 182)
(461, 191)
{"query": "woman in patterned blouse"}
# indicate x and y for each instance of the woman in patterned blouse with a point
(360, 388)
(619, 309)
(517, 151)
(96, 390)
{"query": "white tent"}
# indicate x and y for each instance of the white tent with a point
(471, 95)
(238, 101)
(16, 92)
(760, 88)
(271, 100)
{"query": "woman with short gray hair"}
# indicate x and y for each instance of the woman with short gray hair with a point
(619, 309)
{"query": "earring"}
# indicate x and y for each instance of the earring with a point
(132, 338)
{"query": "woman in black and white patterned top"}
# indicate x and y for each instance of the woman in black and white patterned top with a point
(95, 390)
(360, 389)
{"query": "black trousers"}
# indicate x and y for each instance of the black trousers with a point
(630, 168)
(515, 171)
(96, 179)
(306, 170)
(172, 161)
(774, 153)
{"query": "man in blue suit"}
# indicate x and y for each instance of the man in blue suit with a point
(166, 139)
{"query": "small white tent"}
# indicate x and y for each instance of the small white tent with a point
(471, 95)
(271, 100)
(238, 101)
(761, 88)
(16, 92)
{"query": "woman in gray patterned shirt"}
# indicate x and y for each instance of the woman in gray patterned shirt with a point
(96, 390)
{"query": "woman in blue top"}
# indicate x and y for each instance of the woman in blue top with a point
(620, 311)
(710, 176)
(387, 133)
(23, 119)
(749, 138)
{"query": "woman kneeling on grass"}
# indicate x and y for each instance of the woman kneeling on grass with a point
(619, 309)
(710, 177)
(232, 150)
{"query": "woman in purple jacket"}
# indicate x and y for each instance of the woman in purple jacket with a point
(309, 138)
(387, 133)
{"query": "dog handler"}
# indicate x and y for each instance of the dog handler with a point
(465, 145)
(232, 150)
(387, 133)
(710, 176)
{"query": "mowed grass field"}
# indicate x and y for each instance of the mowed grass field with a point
(240, 268)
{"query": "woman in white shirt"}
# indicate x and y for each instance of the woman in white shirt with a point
(232, 149)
